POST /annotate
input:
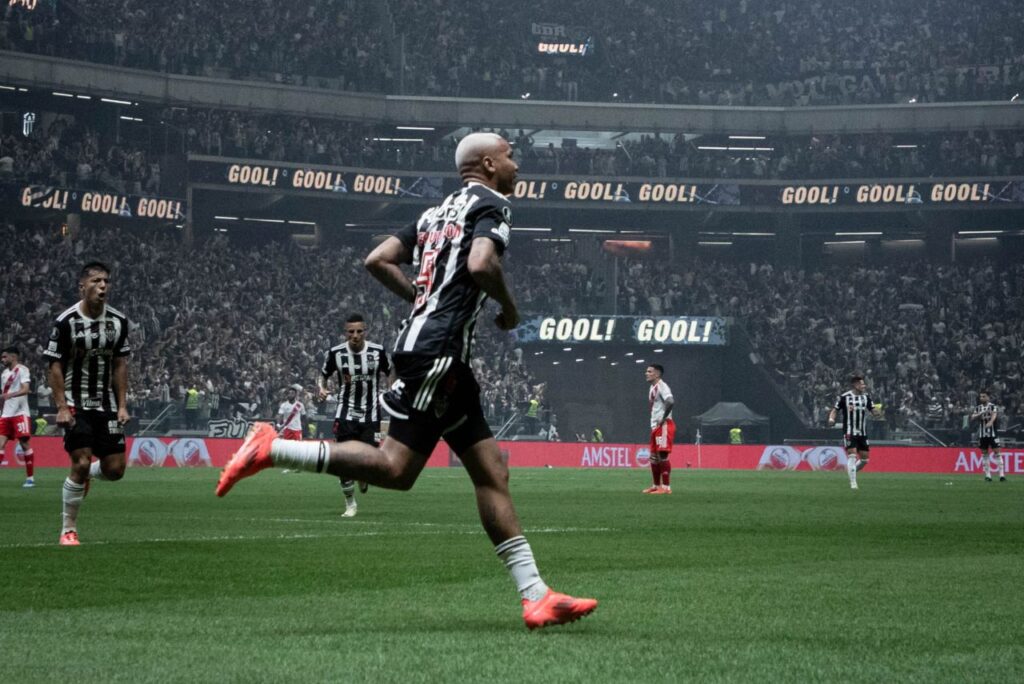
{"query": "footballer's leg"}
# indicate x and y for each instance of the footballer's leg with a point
(392, 466)
(30, 462)
(72, 494)
(542, 606)
(666, 472)
(655, 474)
(1000, 464)
(863, 457)
(851, 467)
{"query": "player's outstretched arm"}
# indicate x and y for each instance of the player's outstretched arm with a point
(484, 265)
(384, 264)
(832, 417)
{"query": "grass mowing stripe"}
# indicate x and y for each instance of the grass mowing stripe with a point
(737, 576)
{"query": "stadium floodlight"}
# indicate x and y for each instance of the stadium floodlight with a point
(58, 94)
(531, 230)
(714, 243)
(980, 232)
(414, 128)
(754, 234)
(111, 100)
(3, 87)
(84, 97)
(860, 233)
(747, 137)
(566, 349)
(579, 360)
(846, 242)
(658, 351)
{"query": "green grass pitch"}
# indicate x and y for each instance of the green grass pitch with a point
(738, 576)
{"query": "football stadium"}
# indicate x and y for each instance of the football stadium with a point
(421, 341)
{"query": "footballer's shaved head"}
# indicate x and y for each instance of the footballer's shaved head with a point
(474, 147)
(487, 159)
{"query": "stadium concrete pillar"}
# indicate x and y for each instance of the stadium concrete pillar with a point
(788, 245)
(940, 243)
(188, 234)
(74, 224)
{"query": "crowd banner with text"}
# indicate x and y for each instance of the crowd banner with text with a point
(79, 201)
(186, 452)
(375, 184)
(681, 330)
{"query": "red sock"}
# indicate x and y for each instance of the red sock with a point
(30, 463)
(666, 470)
(656, 472)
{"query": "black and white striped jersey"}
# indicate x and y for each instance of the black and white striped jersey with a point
(448, 300)
(855, 409)
(986, 411)
(86, 348)
(358, 379)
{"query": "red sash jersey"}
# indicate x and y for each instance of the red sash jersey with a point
(662, 436)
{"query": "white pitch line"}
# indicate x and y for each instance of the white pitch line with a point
(469, 529)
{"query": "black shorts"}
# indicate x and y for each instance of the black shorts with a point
(96, 430)
(435, 398)
(988, 442)
(348, 430)
(859, 442)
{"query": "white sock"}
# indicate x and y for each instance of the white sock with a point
(72, 499)
(348, 488)
(987, 462)
(1000, 465)
(851, 468)
(518, 558)
(310, 456)
(96, 472)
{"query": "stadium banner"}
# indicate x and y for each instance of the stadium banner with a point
(187, 452)
(325, 180)
(79, 201)
(567, 191)
(681, 330)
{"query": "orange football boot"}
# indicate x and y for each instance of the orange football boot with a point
(252, 457)
(556, 609)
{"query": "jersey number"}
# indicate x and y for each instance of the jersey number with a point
(425, 279)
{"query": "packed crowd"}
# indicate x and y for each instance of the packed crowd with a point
(735, 52)
(63, 150)
(317, 141)
(274, 312)
(927, 336)
(68, 153)
(322, 43)
(946, 153)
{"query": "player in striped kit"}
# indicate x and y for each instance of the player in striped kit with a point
(88, 354)
(455, 249)
(359, 365)
(15, 417)
(663, 429)
(855, 405)
(987, 414)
